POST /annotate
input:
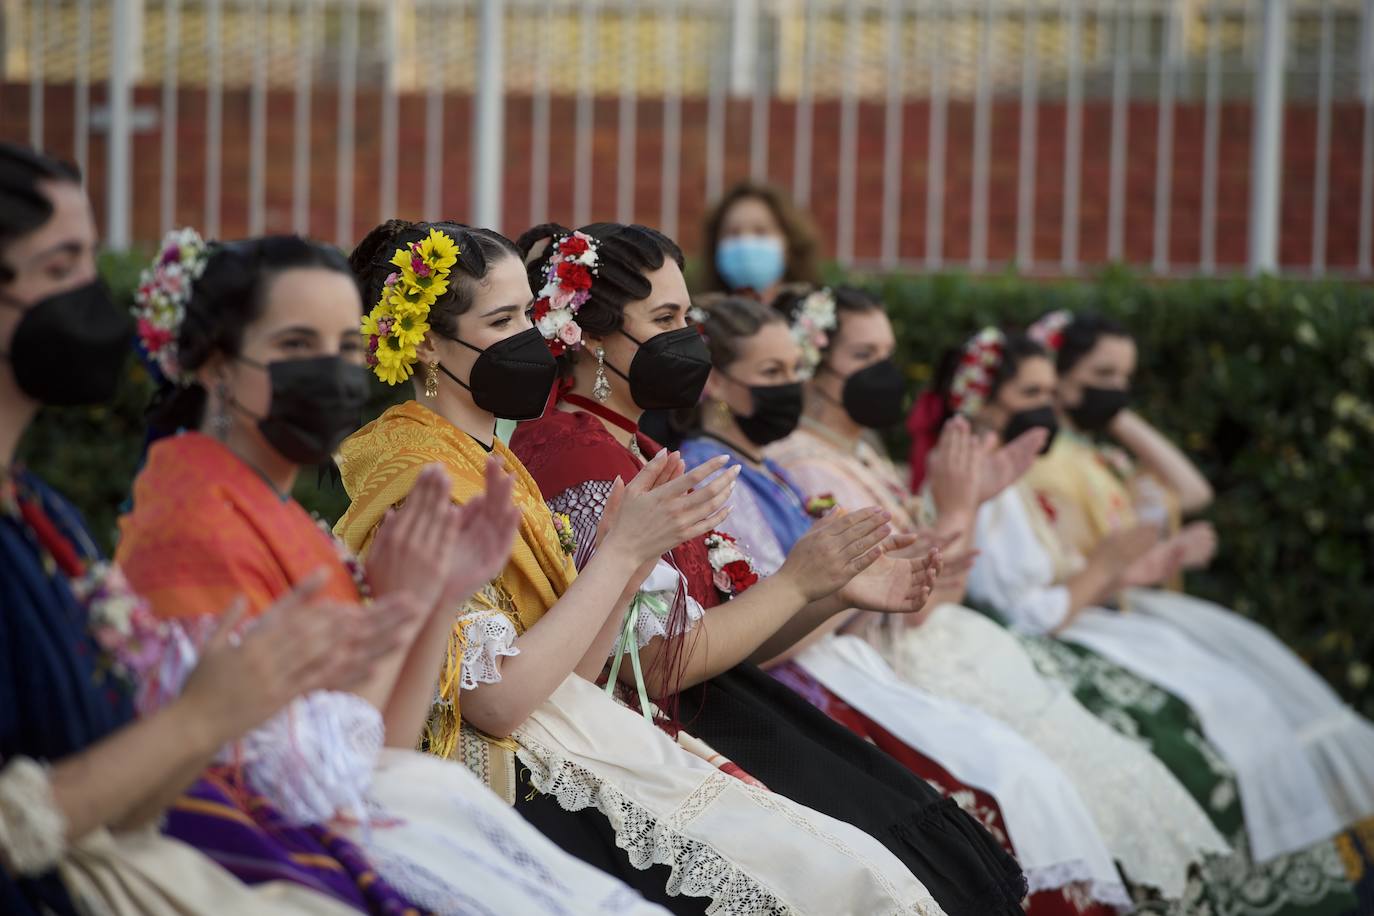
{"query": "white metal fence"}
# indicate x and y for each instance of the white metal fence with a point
(700, 91)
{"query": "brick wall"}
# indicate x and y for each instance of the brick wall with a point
(1186, 199)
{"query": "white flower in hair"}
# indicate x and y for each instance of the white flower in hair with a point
(811, 324)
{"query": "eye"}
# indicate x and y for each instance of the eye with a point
(664, 321)
(502, 322)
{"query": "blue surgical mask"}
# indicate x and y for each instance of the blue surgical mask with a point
(753, 262)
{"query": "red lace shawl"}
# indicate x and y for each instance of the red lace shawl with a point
(563, 449)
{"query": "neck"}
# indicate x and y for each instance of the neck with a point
(832, 417)
(722, 425)
(455, 405)
(279, 473)
(16, 413)
(620, 401)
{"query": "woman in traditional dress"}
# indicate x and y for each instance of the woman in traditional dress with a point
(632, 322)
(758, 365)
(1005, 383)
(1096, 489)
(516, 699)
(84, 779)
(258, 348)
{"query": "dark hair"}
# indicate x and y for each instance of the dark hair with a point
(478, 249)
(24, 207)
(802, 258)
(229, 296)
(625, 253)
(849, 300)
(1082, 334)
(729, 321)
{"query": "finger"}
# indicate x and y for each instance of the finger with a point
(723, 482)
(862, 546)
(861, 526)
(699, 508)
(302, 594)
(647, 477)
(695, 477)
(227, 623)
(837, 527)
(711, 521)
(863, 561)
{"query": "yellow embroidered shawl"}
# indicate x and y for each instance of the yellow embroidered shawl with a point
(380, 463)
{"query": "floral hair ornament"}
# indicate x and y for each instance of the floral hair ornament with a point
(972, 382)
(811, 325)
(400, 319)
(1048, 332)
(164, 288)
(567, 286)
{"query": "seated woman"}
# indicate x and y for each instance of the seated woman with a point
(1007, 383)
(748, 342)
(1096, 490)
(515, 697)
(629, 318)
(83, 778)
(257, 346)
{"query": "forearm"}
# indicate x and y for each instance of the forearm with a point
(592, 663)
(130, 777)
(412, 691)
(1093, 585)
(726, 636)
(551, 649)
(1162, 458)
(812, 624)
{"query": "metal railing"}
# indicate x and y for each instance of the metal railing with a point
(1052, 134)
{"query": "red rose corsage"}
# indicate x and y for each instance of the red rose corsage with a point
(731, 569)
(820, 506)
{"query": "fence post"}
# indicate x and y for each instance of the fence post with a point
(117, 164)
(1267, 138)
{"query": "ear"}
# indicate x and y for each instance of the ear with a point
(426, 350)
(213, 372)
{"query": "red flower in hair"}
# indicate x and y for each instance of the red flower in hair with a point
(572, 247)
(557, 347)
(541, 308)
(574, 277)
(1055, 341)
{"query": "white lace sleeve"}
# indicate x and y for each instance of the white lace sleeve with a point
(488, 635)
(1013, 574)
(663, 591)
(33, 830)
(315, 758)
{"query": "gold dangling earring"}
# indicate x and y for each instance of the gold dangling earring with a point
(432, 380)
(601, 388)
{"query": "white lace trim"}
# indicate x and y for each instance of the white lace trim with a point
(1063, 874)
(487, 636)
(697, 870)
(315, 758)
(33, 830)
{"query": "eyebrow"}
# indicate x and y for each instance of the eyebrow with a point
(305, 330)
(667, 305)
(68, 247)
(504, 308)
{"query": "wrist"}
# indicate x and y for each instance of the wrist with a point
(789, 583)
(197, 732)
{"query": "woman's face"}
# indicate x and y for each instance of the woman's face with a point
(1109, 364)
(499, 310)
(860, 340)
(309, 312)
(664, 309)
(1032, 386)
(766, 358)
(751, 216)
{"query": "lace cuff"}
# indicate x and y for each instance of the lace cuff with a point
(315, 758)
(33, 830)
(487, 635)
(658, 595)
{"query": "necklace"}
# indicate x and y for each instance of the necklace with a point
(617, 420)
(756, 460)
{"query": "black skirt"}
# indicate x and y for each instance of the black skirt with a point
(799, 752)
(588, 835)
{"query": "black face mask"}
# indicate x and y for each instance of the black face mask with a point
(68, 349)
(512, 378)
(873, 396)
(316, 403)
(669, 370)
(1098, 408)
(1026, 420)
(777, 411)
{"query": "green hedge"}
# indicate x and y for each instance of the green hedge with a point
(1268, 384)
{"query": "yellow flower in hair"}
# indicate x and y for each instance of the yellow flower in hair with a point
(407, 299)
(409, 330)
(397, 324)
(439, 251)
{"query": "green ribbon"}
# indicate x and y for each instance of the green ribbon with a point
(627, 644)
